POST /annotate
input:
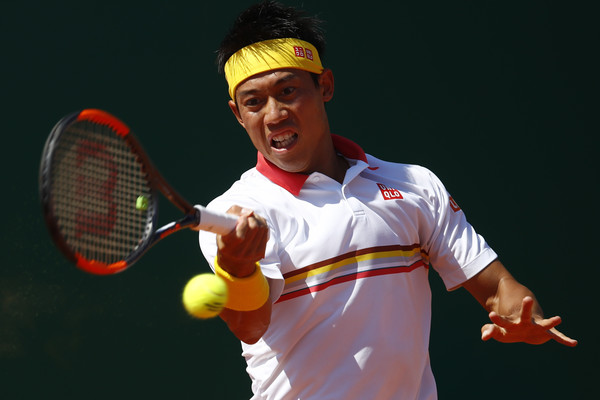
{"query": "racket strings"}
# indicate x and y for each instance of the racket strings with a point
(96, 181)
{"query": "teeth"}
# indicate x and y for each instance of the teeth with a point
(284, 140)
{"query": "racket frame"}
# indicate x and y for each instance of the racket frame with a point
(156, 182)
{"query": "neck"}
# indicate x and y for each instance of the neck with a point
(336, 165)
(338, 172)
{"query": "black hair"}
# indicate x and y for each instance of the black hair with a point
(270, 20)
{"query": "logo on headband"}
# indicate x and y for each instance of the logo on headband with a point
(301, 52)
(269, 55)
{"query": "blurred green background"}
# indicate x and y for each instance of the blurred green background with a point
(499, 99)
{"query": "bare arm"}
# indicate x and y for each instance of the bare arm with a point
(515, 314)
(237, 254)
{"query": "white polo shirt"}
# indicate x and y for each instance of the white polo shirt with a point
(347, 265)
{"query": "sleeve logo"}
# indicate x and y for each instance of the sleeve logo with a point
(454, 205)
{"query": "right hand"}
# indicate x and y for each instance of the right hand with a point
(239, 250)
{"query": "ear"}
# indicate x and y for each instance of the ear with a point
(326, 84)
(236, 112)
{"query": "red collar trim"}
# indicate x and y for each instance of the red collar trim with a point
(293, 182)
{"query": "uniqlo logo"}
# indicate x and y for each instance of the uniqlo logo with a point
(389, 193)
(454, 205)
(309, 54)
(299, 51)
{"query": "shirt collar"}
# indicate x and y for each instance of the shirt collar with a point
(293, 182)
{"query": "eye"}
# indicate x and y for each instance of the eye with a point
(251, 102)
(288, 90)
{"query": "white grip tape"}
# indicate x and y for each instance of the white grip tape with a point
(215, 222)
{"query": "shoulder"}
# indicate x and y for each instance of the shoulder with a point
(408, 173)
(252, 190)
(239, 190)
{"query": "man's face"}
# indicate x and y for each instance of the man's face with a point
(283, 112)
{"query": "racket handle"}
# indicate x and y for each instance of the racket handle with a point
(215, 222)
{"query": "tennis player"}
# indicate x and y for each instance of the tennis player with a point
(328, 266)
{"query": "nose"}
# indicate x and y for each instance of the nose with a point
(275, 111)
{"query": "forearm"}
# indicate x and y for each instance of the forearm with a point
(248, 325)
(509, 297)
(248, 309)
(498, 291)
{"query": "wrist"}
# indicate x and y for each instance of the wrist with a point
(247, 293)
(236, 267)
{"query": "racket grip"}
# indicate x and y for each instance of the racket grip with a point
(215, 222)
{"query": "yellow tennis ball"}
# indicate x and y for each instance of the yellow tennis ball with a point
(205, 295)
(141, 203)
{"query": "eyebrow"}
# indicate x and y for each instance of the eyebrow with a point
(288, 77)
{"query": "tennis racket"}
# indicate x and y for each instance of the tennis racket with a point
(99, 194)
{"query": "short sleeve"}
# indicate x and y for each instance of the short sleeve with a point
(456, 251)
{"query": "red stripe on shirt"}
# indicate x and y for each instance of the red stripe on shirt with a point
(351, 277)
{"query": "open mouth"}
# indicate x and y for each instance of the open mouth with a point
(284, 141)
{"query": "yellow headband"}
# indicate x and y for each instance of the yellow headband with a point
(269, 55)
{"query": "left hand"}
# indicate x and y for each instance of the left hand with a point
(524, 327)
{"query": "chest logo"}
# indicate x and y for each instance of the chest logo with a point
(389, 193)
